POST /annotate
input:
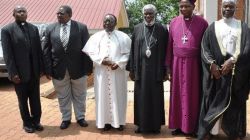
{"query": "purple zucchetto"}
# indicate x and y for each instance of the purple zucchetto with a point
(191, 1)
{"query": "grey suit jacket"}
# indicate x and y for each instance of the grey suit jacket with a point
(57, 60)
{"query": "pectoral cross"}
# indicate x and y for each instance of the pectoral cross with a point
(184, 39)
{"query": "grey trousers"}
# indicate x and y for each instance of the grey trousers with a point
(70, 92)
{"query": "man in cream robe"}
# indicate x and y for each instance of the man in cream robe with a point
(109, 50)
(225, 61)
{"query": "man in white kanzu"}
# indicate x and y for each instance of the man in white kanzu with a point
(109, 50)
(225, 61)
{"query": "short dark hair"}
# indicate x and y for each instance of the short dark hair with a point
(67, 9)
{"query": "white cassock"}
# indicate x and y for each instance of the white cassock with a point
(110, 86)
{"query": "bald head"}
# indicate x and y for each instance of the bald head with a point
(18, 8)
(109, 22)
(20, 13)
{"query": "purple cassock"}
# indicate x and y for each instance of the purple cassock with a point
(183, 58)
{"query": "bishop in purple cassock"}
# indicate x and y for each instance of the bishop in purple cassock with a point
(184, 63)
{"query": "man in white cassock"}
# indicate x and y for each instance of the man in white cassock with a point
(109, 50)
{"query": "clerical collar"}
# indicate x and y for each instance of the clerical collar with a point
(109, 32)
(188, 18)
(149, 27)
(21, 23)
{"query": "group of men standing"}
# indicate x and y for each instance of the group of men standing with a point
(214, 58)
(191, 55)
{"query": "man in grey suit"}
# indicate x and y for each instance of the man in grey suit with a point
(67, 64)
(23, 56)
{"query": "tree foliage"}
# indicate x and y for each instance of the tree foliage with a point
(166, 10)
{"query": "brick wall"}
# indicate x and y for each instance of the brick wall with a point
(239, 11)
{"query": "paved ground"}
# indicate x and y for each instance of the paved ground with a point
(11, 126)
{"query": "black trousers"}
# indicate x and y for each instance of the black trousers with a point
(29, 92)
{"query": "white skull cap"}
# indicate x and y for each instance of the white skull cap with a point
(234, 1)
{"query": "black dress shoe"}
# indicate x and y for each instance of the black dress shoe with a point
(121, 128)
(82, 123)
(193, 135)
(156, 131)
(38, 127)
(107, 127)
(138, 130)
(207, 137)
(28, 129)
(65, 124)
(177, 132)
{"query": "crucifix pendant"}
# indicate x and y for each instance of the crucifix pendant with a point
(184, 39)
(148, 52)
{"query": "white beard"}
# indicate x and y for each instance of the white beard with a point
(149, 24)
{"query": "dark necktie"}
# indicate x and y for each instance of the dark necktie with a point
(25, 31)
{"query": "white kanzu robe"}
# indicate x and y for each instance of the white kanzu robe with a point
(110, 86)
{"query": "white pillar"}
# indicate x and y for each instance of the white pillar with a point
(210, 10)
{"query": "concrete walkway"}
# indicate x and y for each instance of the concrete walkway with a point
(11, 125)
